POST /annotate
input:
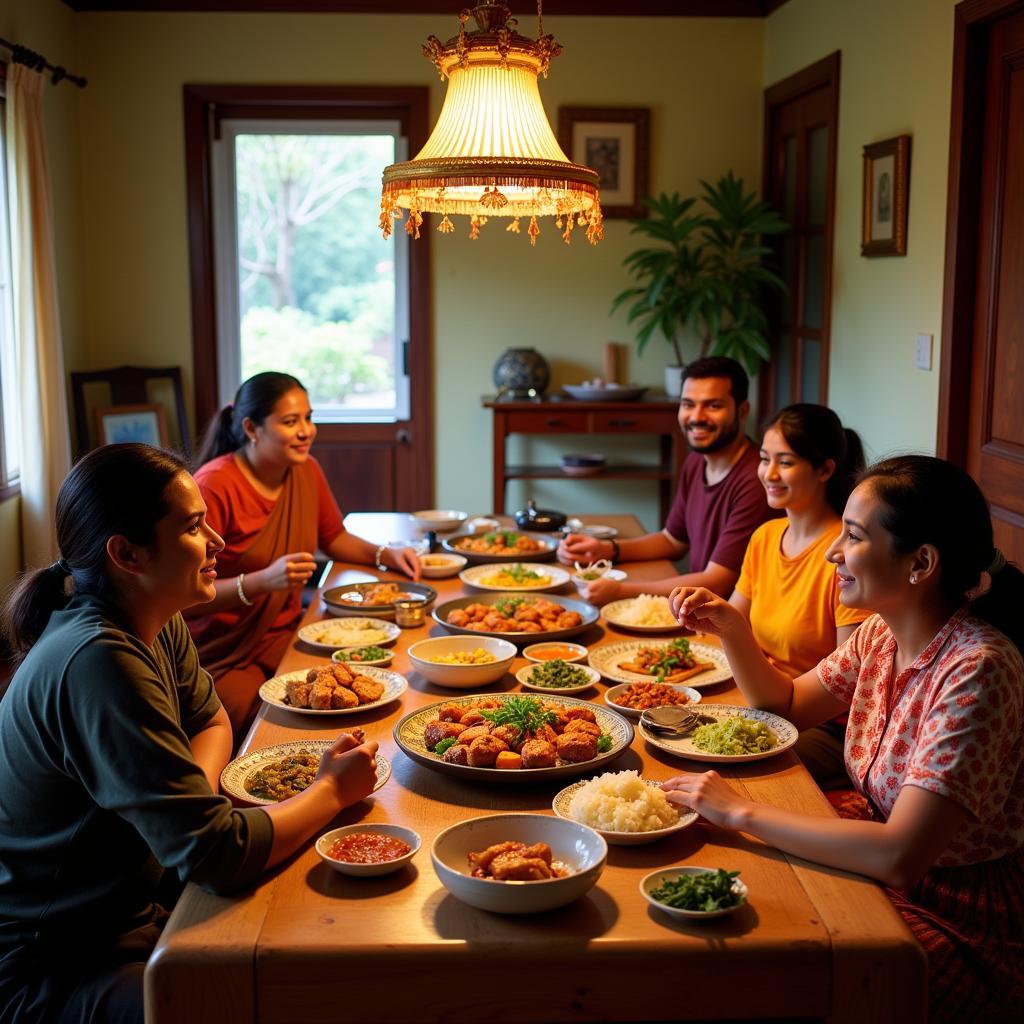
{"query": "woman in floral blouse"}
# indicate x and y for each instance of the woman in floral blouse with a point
(934, 686)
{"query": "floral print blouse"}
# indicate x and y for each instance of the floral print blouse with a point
(951, 723)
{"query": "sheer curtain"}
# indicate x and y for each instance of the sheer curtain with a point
(45, 439)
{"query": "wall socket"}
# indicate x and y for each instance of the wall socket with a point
(923, 351)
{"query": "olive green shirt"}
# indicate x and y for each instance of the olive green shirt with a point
(99, 789)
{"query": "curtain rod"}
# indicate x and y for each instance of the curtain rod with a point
(23, 55)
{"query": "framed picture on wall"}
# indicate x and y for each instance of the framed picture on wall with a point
(117, 424)
(886, 192)
(615, 142)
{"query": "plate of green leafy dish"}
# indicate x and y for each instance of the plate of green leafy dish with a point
(737, 735)
(694, 892)
(428, 735)
(558, 677)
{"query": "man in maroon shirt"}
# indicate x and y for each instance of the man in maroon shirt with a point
(719, 503)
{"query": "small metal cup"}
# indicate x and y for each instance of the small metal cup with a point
(411, 612)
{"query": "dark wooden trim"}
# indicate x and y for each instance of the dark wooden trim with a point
(970, 59)
(822, 74)
(563, 8)
(203, 105)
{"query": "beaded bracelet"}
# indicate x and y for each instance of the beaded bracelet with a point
(241, 590)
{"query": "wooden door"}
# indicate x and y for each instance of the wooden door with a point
(801, 116)
(990, 444)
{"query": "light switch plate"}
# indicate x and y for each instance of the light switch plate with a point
(923, 351)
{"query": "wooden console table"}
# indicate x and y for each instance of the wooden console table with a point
(568, 416)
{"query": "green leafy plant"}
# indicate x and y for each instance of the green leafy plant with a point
(707, 278)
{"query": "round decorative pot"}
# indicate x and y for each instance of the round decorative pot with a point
(521, 372)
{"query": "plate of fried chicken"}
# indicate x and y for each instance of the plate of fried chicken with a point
(334, 689)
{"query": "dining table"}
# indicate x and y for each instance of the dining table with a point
(308, 945)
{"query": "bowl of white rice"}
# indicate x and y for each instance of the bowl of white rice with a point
(623, 807)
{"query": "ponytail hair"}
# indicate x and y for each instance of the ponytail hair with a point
(254, 401)
(816, 434)
(118, 489)
(929, 501)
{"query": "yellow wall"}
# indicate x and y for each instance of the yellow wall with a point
(895, 79)
(49, 27)
(487, 295)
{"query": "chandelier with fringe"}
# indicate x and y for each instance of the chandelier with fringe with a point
(492, 152)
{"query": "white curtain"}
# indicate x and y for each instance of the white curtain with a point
(45, 439)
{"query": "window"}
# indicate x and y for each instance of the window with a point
(10, 427)
(304, 279)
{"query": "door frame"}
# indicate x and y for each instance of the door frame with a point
(204, 106)
(973, 19)
(822, 74)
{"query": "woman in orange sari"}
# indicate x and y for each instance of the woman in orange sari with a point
(268, 498)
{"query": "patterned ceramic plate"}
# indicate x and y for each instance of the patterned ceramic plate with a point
(560, 805)
(408, 735)
(355, 593)
(331, 634)
(273, 690)
(608, 659)
(551, 577)
(785, 735)
(237, 772)
(614, 610)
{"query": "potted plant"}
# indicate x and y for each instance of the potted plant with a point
(707, 277)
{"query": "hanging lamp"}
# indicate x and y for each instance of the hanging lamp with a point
(492, 152)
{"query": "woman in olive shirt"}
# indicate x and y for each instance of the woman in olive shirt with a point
(113, 740)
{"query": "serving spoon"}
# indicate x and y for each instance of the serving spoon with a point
(673, 722)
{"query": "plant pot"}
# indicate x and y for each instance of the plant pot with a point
(674, 380)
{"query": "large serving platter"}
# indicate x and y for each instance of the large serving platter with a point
(613, 612)
(546, 551)
(232, 778)
(607, 657)
(332, 598)
(408, 735)
(588, 613)
(273, 690)
(785, 732)
(563, 799)
(475, 576)
(322, 634)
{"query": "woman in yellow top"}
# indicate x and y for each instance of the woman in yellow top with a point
(787, 590)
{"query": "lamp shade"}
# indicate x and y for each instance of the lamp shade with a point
(492, 152)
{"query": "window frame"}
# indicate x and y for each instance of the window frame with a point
(205, 107)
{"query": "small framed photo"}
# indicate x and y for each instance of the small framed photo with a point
(886, 192)
(615, 142)
(117, 424)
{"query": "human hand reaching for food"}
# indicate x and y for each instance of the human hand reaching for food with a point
(709, 795)
(404, 560)
(578, 547)
(350, 766)
(292, 570)
(697, 608)
(603, 590)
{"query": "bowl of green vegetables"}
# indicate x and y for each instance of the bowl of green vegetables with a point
(371, 655)
(694, 892)
(558, 676)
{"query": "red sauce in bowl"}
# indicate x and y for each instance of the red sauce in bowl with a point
(552, 653)
(367, 848)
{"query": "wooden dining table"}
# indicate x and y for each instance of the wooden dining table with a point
(309, 945)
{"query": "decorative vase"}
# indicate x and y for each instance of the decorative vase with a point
(521, 373)
(674, 380)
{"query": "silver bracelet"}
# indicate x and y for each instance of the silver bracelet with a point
(378, 561)
(241, 590)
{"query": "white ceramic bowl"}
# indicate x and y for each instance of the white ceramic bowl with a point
(447, 565)
(461, 677)
(656, 878)
(532, 653)
(481, 524)
(593, 678)
(611, 574)
(324, 843)
(580, 847)
(442, 519)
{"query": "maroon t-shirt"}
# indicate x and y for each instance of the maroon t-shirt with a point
(717, 521)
